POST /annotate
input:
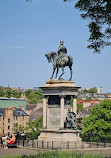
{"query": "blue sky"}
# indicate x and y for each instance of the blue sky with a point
(29, 30)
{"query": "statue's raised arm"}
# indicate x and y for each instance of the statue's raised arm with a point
(60, 60)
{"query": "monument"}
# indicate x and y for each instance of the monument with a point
(59, 102)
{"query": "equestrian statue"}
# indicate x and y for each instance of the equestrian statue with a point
(60, 60)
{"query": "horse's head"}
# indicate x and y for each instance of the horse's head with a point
(50, 56)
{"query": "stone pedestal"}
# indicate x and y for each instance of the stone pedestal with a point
(48, 135)
(56, 103)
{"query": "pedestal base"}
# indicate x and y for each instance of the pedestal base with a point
(49, 135)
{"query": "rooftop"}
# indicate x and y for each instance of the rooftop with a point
(16, 112)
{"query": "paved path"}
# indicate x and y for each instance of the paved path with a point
(27, 151)
(17, 151)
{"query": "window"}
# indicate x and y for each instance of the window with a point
(8, 120)
(8, 134)
(8, 127)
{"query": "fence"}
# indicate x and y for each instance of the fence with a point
(61, 145)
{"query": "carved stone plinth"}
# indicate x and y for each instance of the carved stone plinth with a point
(48, 135)
(56, 105)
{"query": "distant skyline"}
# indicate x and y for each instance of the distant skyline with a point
(29, 30)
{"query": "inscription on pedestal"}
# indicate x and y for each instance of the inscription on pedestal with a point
(53, 118)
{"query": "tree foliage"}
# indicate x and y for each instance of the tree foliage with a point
(79, 123)
(33, 128)
(79, 120)
(8, 92)
(1, 92)
(18, 128)
(79, 98)
(28, 92)
(91, 90)
(88, 98)
(99, 14)
(33, 96)
(97, 127)
(80, 107)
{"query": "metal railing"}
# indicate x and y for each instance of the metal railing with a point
(61, 145)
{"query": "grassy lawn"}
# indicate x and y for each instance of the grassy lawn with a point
(12, 157)
(58, 154)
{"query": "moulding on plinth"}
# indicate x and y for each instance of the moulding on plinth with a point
(58, 87)
(59, 135)
(59, 83)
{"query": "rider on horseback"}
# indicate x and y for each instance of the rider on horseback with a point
(60, 60)
(62, 51)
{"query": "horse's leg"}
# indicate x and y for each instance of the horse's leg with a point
(62, 68)
(57, 71)
(53, 72)
(70, 67)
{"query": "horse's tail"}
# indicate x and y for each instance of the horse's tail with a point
(70, 59)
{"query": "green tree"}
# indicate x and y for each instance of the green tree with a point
(18, 128)
(88, 98)
(92, 90)
(1, 92)
(85, 91)
(39, 92)
(35, 125)
(99, 14)
(33, 128)
(79, 120)
(32, 99)
(16, 94)
(15, 128)
(19, 94)
(33, 96)
(97, 127)
(21, 128)
(80, 107)
(8, 93)
(28, 92)
(79, 98)
(79, 123)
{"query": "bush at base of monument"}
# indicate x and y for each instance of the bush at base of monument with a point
(33, 129)
(97, 127)
(33, 135)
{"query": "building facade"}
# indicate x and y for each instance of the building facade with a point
(87, 104)
(99, 90)
(10, 116)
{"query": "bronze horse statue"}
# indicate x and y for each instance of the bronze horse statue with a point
(59, 62)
